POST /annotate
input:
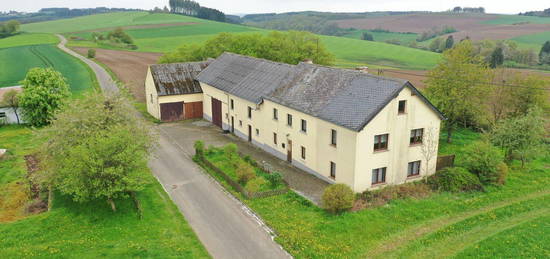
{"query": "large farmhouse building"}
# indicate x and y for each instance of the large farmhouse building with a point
(341, 125)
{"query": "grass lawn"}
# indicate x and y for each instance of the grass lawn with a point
(443, 225)
(16, 61)
(512, 19)
(25, 39)
(91, 230)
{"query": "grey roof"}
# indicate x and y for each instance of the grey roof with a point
(246, 77)
(344, 97)
(177, 78)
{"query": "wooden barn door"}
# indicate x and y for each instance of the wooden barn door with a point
(193, 110)
(216, 112)
(171, 111)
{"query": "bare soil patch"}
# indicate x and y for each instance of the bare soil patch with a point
(130, 67)
(467, 25)
(145, 26)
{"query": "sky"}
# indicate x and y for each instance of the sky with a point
(278, 6)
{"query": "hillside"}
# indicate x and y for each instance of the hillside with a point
(166, 32)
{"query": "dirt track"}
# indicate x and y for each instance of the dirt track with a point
(130, 67)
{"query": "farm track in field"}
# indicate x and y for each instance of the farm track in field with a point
(400, 240)
(44, 59)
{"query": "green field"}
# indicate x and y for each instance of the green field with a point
(25, 39)
(383, 36)
(91, 230)
(533, 41)
(513, 19)
(16, 61)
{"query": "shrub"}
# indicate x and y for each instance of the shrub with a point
(275, 179)
(338, 198)
(199, 147)
(255, 184)
(455, 179)
(385, 195)
(502, 170)
(91, 53)
(483, 159)
(245, 173)
(230, 148)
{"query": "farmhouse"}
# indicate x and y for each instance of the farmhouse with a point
(8, 114)
(171, 91)
(343, 126)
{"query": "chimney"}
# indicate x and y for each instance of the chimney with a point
(363, 69)
(308, 61)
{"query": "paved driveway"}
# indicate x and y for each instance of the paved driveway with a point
(186, 133)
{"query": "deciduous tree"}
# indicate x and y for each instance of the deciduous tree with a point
(11, 100)
(544, 54)
(44, 93)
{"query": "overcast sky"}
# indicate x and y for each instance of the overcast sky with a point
(265, 6)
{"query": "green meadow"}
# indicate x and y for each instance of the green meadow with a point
(25, 39)
(513, 19)
(404, 38)
(533, 41)
(16, 61)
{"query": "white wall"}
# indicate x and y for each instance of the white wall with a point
(10, 115)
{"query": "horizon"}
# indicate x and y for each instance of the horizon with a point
(243, 7)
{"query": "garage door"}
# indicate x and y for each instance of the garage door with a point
(217, 112)
(171, 111)
(193, 110)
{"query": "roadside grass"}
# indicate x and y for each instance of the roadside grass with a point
(16, 61)
(527, 240)
(25, 39)
(512, 19)
(307, 231)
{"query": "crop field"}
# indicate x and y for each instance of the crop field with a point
(515, 19)
(25, 39)
(534, 41)
(383, 36)
(16, 61)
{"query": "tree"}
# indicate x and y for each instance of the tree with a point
(367, 36)
(449, 43)
(527, 92)
(544, 54)
(119, 35)
(428, 149)
(457, 9)
(435, 45)
(9, 28)
(483, 159)
(44, 93)
(97, 149)
(12, 100)
(91, 53)
(521, 136)
(289, 47)
(497, 57)
(458, 87)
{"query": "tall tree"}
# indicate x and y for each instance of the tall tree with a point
(544, 54)
(458, 87)
(449, 43)
(497, 57)
(44, 93)
(97, 149)
(12, 100)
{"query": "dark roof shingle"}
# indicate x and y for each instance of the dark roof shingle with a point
(177, 78)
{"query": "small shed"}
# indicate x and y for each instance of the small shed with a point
(172, 93)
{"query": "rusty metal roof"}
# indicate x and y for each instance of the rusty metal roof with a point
(177, 78)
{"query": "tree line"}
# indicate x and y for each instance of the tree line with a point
(192, 8)
(9, 28)
(459, 9)
(543, 13)
(46, 14)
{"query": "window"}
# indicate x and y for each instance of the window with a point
(275, 114)
(333, 137)
(249, 112)
(304, 126)
(274, 138)
(152, 98)
(402, 105)
(332, 170)
(416, 136)
(3, 115)
(414, 168)
(303, 153)
(232, 104)
(379, 175)
(240, 123)
(257, 132)
(381, 142)
(289, 120)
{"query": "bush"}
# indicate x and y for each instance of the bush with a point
(483, 159)
(338, 198)
(199, 147)
(502, 170)
(275, 179)
(385, 195)
(455, 179)
(230, 148)
(245, 173)
(255, 184)
(91, 53)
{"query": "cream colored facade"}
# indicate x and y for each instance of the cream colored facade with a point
(353, 155)
(154, 101)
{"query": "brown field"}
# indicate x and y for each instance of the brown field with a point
(130, 67)
(467, 25)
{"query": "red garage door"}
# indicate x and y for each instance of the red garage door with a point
(217, 112)
(193, 110)
(171, 111)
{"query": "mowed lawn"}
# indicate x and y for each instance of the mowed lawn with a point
(441, 226)
(16, 61)
(90, 230)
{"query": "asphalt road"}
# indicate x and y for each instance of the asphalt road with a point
(226, 227)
